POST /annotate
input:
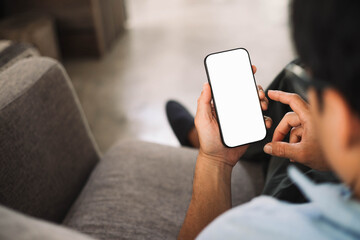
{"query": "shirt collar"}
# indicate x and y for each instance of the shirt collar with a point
(333, 200)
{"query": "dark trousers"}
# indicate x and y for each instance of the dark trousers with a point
(277, 182)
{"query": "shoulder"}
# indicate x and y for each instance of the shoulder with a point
(264, 217)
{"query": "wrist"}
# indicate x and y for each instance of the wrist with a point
(215, 160)
(213, 164)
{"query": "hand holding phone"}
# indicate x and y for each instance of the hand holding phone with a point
(207, 128)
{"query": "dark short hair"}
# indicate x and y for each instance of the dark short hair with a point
(326, 35)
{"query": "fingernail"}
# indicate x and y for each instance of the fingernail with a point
(268, 148)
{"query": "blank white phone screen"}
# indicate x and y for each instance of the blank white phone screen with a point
(235, 96)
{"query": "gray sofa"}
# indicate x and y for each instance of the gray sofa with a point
(54, 183)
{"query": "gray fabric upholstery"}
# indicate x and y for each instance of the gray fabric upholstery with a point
(46, 150)
(11, 52)
(142, 190)
(17, 226)
(247, 181)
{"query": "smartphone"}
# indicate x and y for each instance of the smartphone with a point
(235, 97)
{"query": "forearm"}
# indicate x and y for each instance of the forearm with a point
(211, 195)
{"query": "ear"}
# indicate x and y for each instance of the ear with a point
(343, 118)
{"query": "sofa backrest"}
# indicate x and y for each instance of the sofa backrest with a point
(46, 149)
(11, 52)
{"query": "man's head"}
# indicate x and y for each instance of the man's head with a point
(327, 38)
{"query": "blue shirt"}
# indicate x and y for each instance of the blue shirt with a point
(330, 214)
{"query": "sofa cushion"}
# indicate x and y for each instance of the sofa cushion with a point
(46, 150)
(17, 226)
(142, 190)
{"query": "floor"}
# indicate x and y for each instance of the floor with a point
(160, 57)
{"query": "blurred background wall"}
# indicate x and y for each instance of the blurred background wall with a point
(127, 58)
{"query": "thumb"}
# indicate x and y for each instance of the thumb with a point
(281, 149)
(204, 101)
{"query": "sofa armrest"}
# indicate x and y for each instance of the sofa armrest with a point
(14, 225)
(46, 149)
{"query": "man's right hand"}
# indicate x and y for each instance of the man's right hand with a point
(303, 146)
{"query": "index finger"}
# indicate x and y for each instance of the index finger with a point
(254, 69)
(296, 103)
(289, 121)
